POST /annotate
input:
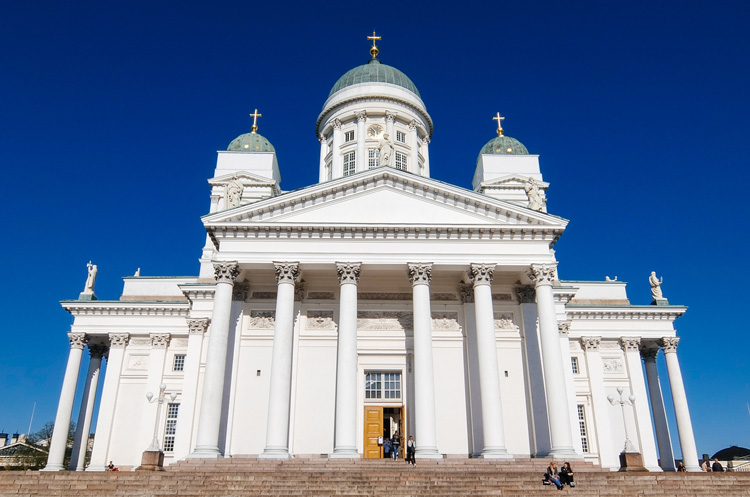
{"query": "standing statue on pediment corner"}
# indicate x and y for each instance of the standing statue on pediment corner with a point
(385, 147)
(656, 286)
(536, 200)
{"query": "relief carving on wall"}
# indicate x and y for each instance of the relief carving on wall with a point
(385, 320)
(320, 320)
(138, 362)
(263, 320)
(504, 321)
(320, 295)
(445, 321)
(612, 366)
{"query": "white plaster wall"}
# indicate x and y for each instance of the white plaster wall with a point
(450, 394)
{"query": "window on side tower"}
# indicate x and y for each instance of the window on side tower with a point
(400, 161)
(372, 158)
(400, 136)
(349, 163)
(349, 136)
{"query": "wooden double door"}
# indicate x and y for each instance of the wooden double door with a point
(382, 421)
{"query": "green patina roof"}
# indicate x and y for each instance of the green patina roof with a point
(251, 142)
(504, 145)
(374, 72)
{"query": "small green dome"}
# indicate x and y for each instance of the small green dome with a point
(504, 145)
(251, 142)
(374, 72)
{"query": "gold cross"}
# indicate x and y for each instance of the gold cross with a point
(374, 50)
(499, 124)
(255, 117)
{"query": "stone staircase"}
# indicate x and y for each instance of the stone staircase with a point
(382, 478)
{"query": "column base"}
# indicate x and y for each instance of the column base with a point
(95, 467)
(275, 453)
(427, 453)
(564, 454)
(345, 453)
(495, 453)
(205, 453)
(53, 467)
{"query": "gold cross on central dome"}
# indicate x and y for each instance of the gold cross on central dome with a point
(374, 49)
(255, 117)
(499, 120)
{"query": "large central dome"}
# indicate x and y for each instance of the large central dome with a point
(374, 72)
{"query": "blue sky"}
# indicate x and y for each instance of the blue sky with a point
(111, 114)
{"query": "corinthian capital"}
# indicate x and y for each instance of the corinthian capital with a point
(118, 340)
(591, 343)
(669, 344)
(336, 124)
(481, 274)
(361, 115)
(197, 326)
(286, 272)
(97, 350)
(563, 327)
(467, 293)
(526, 294)
(77, 340)
(420, 273)
(390, 116)
(348, 272)
(542, 274)
(630, 343)
(226, 272)
(649, 354)
(160, 340)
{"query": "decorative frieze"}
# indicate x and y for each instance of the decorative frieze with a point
(319, 295)
(443, 296)
(420, 273)
(77, 340)
(385, 320)
(240, 291)
(264, 320)
(384, 296)
(504, 322)
(445, 321)
(264, 295)
(591, 343)
(502, 297)
(543, 274)
(286, 272)
(160, 340)
(197, 326)
(612, 366)
(481, 274)
(630, 343)
(320, 320)
(669, 344)
(118, 340)
(226, 272)
(348, 272)
(526, 294)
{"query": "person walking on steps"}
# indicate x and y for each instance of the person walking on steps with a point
(395, 444)
(411, 450)
(552, 475)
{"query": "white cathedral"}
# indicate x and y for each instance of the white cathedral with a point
(377, 300)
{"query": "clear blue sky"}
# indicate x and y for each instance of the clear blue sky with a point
(111, 114)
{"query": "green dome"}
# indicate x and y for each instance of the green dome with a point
(374, 72)
(504, 145)
(251, 142)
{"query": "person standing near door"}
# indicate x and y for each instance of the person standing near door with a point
(395, 444)
(387, 448)
(411, 449)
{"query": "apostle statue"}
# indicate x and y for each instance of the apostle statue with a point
(536, 201)
(91, 278)
(656, 286)
(385, 146)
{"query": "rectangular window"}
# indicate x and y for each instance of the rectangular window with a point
(349, 163)
(329, 170)
(349, 136)
(179, 362)
(372, 158)
(400, 161)
(383, 386)
(582, 427)
(400, 136)
(170, 427)
(574, 364)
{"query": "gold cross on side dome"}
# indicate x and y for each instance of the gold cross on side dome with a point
(499, 124)
(255, 117)
(374, 49)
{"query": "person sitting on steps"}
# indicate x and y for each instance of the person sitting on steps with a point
(552, 475)
(566, 475)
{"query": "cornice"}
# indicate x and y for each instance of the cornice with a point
(643, 313)
(118, 308)
(198, 291)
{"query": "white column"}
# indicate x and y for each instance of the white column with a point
(414, 148)
(561, 437)
(424, 377)
(209, 419)
(681, 411)
(345, 442)
(150, 410)
(608, 455)
(489, 372)
(323, 176)
(389, 119)
(631, 347)
(185, 416)
(663, 439)
(277, 429)
(108, 402)
(85, 413)
(361, 153)
(337, 161)
(59, 440)
(426, 155)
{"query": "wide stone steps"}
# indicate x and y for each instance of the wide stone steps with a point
(323, 477)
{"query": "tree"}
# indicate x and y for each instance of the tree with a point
(42, 438)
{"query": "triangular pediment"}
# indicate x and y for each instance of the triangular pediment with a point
(243, 177)
(513, 180)
(383, 197)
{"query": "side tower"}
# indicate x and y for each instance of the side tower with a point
(394, 130)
